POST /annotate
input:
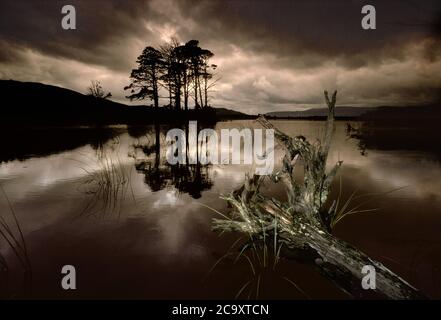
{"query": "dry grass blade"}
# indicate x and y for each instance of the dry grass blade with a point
(297, 287)
(15, 242)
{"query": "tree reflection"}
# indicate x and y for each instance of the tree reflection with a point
(150, 160)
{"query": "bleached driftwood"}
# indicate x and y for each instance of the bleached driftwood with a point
(302, 225)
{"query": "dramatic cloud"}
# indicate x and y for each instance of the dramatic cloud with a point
(272, 55)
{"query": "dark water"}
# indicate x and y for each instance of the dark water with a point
(135, 227)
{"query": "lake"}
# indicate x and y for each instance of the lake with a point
(105, 201)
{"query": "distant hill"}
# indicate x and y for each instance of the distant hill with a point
(40, 102)
(224, 113)
(342, 112)
(410, 115)
(415, 128)
(37, 103)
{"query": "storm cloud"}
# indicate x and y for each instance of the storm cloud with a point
(272, 55)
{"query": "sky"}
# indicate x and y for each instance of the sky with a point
(271, 55)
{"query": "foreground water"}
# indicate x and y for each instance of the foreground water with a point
(106, 202)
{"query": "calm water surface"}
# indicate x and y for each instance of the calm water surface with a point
(147, 234)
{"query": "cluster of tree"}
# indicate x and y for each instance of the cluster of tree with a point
(180, 73)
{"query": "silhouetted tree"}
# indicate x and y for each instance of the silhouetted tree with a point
(197, 59)
(208, 80)
(145, 79)
(175, 79)
(168, 78)
(182, 70)
(96, 90)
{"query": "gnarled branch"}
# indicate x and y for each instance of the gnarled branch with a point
(304, 226)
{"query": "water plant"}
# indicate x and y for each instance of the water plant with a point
(11, 233)
(108, 185)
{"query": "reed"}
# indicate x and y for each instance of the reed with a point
(108, 185)
(12, 235)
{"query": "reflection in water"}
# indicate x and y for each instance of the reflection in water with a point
(161, 245)
(25, 143)
(417, 133)
(186, 178)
